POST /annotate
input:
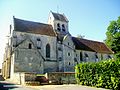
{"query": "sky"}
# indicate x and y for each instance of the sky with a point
(86, 17)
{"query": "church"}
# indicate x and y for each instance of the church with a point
(41, 48)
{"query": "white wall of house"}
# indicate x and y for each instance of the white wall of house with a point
(91, 56)
(60, 56)
(68, 54)
(44, 40)
(32, 57)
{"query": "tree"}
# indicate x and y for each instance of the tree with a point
(113, 36)
(80, 36)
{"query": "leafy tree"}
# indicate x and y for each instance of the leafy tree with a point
(80, 36)
(113, 36)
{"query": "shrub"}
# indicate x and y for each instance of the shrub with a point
(104, 74)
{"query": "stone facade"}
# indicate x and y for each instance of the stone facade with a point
(41, 48)
(61, 77)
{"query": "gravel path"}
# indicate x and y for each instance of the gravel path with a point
(44, 87)
(65, 87)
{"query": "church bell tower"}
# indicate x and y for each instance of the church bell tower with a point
(59, 23)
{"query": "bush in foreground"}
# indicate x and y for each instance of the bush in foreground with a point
(104, 74)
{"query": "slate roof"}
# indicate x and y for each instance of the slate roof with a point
(33, 27)
(89, 45)
(60, 17)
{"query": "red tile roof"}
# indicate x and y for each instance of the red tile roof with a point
(33, 27)
(46, 29)
(89, 45)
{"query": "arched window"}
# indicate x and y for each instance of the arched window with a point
(63, 27)
(58, 27)
(68, 54)
(30, 46)
(69, 63)
(109, 57)
(86, 57)
(81, 57)
(96, 57)
(38, 43)
(47, 51)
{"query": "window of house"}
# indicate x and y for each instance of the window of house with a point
(58, 27)
(47, 51)
(30, 46)
(68, 54)
(14, 45)
(59, 48)
(81, 57)
(60, 58)
(38, 43)
(38, 39)
(63, 27)
(69, 63)
(68, 43)
(96, 57)
(86, 57)
(109, 57)
(38, 47)
(76, 61)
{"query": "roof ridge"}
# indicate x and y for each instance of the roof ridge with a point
(59, 16)
(33, 27)
(32, 21)
(99, 47)
(88, 40)
(56, 13)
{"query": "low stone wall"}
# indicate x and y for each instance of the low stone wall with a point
(30, 76)
(23, 77)
(18, 78)
(53, 77)
(61, 77)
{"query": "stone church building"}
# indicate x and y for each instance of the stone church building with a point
(40, 48)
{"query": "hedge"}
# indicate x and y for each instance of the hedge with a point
(104, 74)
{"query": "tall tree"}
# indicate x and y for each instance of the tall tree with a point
(113, 36)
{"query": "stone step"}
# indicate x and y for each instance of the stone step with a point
(32, 83)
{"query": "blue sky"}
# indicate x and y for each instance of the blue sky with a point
(86, 17)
